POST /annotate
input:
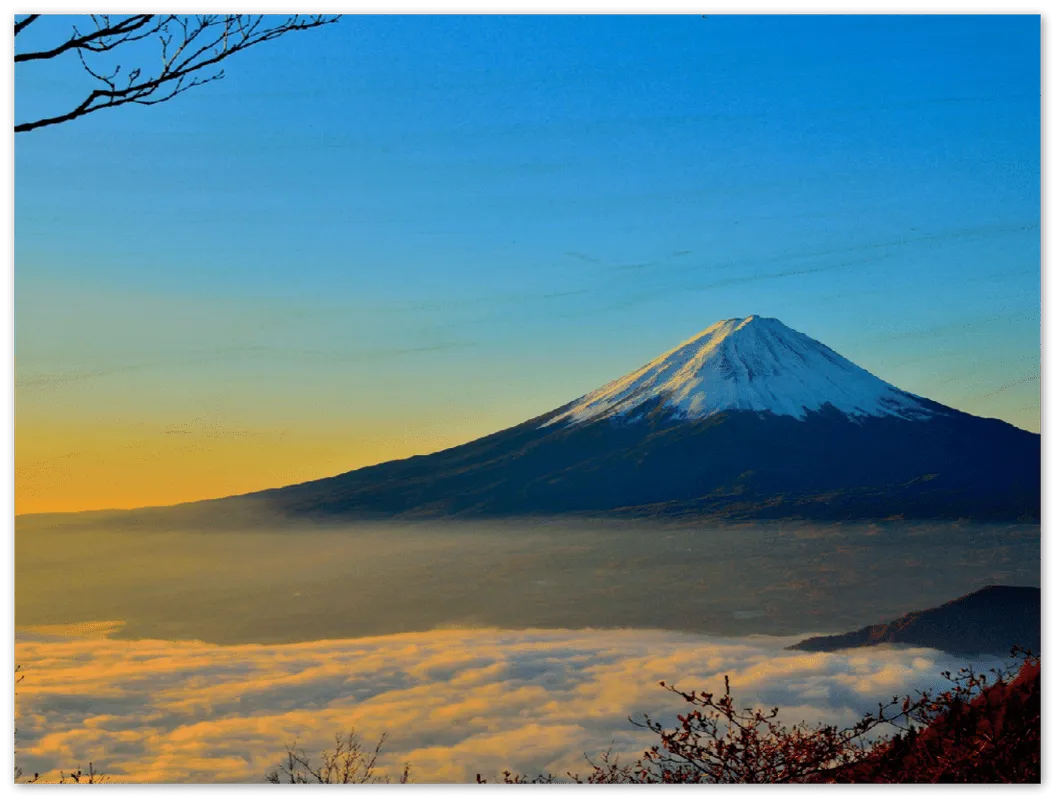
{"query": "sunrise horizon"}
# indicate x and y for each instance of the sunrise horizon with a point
(384, 455)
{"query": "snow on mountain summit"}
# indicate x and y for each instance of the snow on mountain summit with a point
(748, 364)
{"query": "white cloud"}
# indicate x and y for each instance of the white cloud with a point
(454, 702)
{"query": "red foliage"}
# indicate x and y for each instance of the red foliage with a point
(980, 730)
(993, 737)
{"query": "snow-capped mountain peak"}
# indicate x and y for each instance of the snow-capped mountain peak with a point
(747, 364)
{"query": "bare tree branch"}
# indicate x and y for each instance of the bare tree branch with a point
(191, 47)
(980, 730)
(349, 762)
(104, 37)
(25, 22)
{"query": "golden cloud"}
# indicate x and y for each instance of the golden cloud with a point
(454, 702)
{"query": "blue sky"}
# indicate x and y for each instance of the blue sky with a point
(421, 229)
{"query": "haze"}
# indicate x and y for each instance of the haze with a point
(194, 655)
(297, 583)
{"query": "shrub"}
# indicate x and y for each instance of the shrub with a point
(348, 762)
(75, 776)
(984, 728)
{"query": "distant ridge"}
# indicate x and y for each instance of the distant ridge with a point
(990, 620)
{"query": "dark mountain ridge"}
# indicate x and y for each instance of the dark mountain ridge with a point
(736, 464)
(991, 620)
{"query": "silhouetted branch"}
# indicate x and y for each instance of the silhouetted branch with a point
(25, 22)
(348, 762)
(188, 46)
(981, 729)
(105, 37)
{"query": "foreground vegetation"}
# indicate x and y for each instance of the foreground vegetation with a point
(983, 728)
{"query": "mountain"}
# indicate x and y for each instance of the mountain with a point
(751, 364)
(990, 620)
(748, 419)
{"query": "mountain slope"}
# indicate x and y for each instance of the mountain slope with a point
(750, 419)
(731, 464)
(990, 620)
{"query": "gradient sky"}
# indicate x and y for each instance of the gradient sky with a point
(396, 234)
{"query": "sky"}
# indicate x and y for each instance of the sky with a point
(396, 234)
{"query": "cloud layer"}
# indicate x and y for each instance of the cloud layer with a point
(454, 702)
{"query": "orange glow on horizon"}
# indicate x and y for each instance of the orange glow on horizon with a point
(80, 470)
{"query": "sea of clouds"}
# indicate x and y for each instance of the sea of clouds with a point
(453, 702)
